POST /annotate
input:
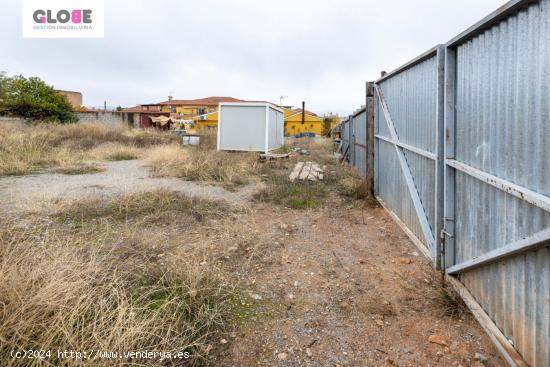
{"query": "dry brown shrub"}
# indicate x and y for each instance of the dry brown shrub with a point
(202, 164)
(118, 275)
(27, 148)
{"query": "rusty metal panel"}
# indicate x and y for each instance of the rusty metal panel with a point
(502, 128)
(411, 96)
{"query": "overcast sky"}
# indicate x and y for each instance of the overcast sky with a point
(320, 51)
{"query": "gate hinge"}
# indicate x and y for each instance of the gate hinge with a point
(444, 234)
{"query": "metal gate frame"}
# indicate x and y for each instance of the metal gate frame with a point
(432, 249)
(446, 168)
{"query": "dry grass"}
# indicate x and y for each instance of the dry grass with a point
(116, 152)
(450, 303)
(430, 294)
(294, 195)
(320, 149)
(80, 169)
(208, 139)
(128, 274)
(27, 148)
(158, 207)
(338, 179)
(204, 164)
(351, 185)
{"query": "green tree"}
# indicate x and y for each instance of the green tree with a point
(33, 99)
(329, 121)
(3, 81)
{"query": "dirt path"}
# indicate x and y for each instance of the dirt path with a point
(338, 290)
(340, 286)
(19, 193)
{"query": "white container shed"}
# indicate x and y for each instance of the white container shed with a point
(250, 126)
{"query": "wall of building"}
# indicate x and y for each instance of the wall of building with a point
(190, 111)
(293, 127)
(210, 121)
(293, 123)
(312, 124)
(74, 98)
(118, 119)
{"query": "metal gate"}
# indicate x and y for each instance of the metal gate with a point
(462, 163)
(408, 175)
(497, 220)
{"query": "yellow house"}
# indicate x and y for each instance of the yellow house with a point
(206, 121)
(204, 114)
(189, 108)
(294, 125)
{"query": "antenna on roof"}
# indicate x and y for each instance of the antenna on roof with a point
(170, 96)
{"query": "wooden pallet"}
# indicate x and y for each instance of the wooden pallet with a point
(306, 171)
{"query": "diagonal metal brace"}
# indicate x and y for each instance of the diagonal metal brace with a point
(419, 208)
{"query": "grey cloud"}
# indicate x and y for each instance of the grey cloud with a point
(318, 51)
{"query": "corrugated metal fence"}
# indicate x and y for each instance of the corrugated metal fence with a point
(345, 136)
(462, 160)
(359, 132)
(353, 131)
(407, 123)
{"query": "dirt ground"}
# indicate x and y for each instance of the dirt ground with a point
(19, 193)
(335, 287)
(339, 291)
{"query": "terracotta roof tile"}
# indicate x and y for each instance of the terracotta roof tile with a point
(209, 101)
(133, 109)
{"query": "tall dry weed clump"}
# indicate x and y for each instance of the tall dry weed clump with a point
(27, 148)
(92, 277)
(204, 164)
(23, 150)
